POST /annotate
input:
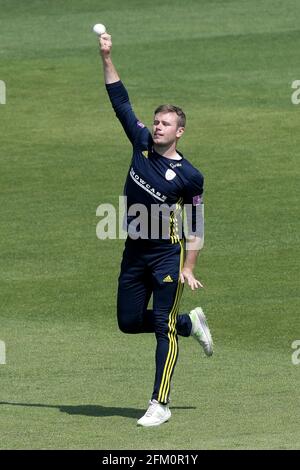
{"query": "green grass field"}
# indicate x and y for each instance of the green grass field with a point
(71, 379)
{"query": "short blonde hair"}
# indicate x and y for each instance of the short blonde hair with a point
(170, 108)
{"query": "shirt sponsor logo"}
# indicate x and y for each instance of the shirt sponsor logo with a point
(146, 186)
(170, 175)
(174, 165)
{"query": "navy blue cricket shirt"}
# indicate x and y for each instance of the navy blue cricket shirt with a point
(154, 179)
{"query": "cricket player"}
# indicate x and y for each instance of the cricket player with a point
(155, 262)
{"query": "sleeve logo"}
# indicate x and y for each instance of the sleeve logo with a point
(197, 200)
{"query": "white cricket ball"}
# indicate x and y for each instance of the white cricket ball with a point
(99, 29)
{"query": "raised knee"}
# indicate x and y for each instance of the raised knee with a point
(124, 327)
(128, 326)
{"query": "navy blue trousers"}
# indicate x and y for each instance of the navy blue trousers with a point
(149, 267)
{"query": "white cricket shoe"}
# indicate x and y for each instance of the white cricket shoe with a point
(156, 414)
(200, 330)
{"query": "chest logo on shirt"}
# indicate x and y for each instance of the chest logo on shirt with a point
(170, 175)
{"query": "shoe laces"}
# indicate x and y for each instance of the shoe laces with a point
(152, 407)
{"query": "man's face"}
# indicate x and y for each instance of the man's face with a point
(165, 129)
